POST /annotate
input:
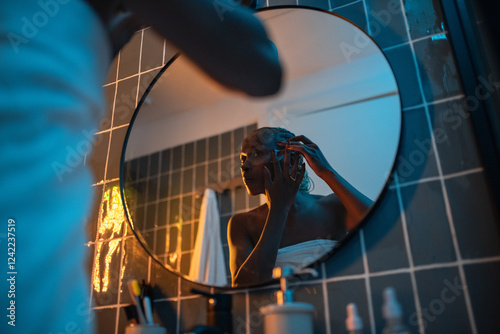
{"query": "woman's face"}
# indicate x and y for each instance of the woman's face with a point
(256, 152)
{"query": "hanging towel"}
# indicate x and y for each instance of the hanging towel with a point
(303, 254)
(207, 263)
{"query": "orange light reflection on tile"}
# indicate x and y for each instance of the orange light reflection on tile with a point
(111, 225)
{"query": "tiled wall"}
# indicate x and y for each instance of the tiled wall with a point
(167, 187)
(434, 235)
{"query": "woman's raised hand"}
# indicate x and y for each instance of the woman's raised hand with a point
(311, 152)
(282, 189)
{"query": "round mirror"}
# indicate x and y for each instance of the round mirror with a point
(180, 170)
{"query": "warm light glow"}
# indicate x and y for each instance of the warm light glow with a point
(110, 227)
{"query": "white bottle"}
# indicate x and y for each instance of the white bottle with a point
(392, 313)
(287, 316)
(353, 322)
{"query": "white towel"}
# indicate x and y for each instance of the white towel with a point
(207, 262)
(303, 254)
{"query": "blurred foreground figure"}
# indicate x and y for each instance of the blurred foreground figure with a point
(55, 56)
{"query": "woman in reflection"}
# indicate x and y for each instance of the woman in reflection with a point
(293, 227)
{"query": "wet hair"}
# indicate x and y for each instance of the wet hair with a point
(266, 135)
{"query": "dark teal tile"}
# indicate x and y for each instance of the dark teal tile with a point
(225, 144)
(126, 97)
(174, 211)
(403, 65)
(482, 284)
(153, 184)
(177, 157)
(164, 185)
(152, 50)
(193, 313)
(201, 150)
(348, 260)
(213, 170)
(425, 17)
(322, 4)
(404, 294)
(98, 156)
(199, 177)
(111, 76)
(474, 215)
(109, 93)
(281, 2)
(166, 315)
(161, 241)
(187, 208)
(135, 266)
(384, 238)
(115, 151)
(154, 164)
(150, 216)
(142, 167)
(188, 154)
(175, 183)
(442, 301)
(129, 57)
(187, 180)
(105, 320)
(92, 217)
(354, 12)
(427, 223)
(213, 148)
(145, 81)
(438, 72)
(162, 213)
(165, 160)
(416, 158)
(454, 136)
(238, 136)
(386, 22)
(338, 3)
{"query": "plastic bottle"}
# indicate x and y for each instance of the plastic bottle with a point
(392, 313)
(353, 322)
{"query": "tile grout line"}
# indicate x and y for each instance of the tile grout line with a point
(409, 254)
(443, 186)
(131, 76)
(367, 17)
(118, 301)
(366, 277)
(437, 178)
(103, 191)
(325, 299)
(343, 6)
(178, 323)
(247, 313)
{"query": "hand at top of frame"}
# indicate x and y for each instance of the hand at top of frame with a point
(311, 152)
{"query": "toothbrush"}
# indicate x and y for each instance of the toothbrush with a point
(135, 291)
(148, 311)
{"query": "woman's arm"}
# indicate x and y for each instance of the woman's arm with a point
(256, 265)
(355, 203)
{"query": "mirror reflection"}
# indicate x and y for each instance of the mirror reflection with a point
(202, 165)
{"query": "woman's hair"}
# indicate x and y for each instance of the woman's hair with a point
(268, 135)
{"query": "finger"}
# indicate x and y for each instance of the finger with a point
(302, 172)
(295, 167)
(301, 138)
(286, 164)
